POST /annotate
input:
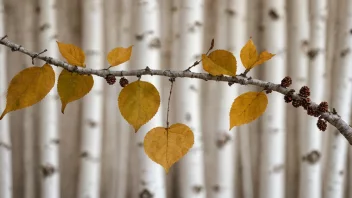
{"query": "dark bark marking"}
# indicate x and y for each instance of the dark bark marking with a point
(278, 168)
(145, 194)
(230, 12)
(92, 123)
(55, 141)
(193, 88)
(188, 117)
(344, 52)
(4, 145)
(216, 188)
(273, 14)
(197, 189)
(84, 154)
(312, 53)
(47, 170)
(139, 37)
(155, 43)
(222, 139)
(44, 26)
(312, 157)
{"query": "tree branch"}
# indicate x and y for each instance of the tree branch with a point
(332, 118)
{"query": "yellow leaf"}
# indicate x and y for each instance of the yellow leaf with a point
(29, 87)
(73, 54)
(249, 54)
(250, 58)
(138, 103)
(119, 55)
(220, 62)
(263, 57)
(247, 107)
(73, 86)
(167, 146)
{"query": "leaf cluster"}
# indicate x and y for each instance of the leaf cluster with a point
(139, 101)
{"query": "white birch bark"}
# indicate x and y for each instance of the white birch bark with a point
(341, 91)
(124, 129)
(237, 37)
(311, 138)
(5, 141)
(298, 64)
(89, 178)
(220, 98)
(272, 183)
(49, 137)
(188, 95)
(151, 176)
(29, 130)
(110, 151)
(255, 30)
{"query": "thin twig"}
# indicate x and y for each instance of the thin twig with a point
(2, 38)
(37, 54)
(198, 61)
(333, 119)
(172, 80)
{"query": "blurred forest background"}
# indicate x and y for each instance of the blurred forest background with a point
(90, 151)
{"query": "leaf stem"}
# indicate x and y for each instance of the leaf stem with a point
(172, 80)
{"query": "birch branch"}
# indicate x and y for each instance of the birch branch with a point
(332, 117)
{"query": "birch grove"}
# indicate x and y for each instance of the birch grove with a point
(93, 151)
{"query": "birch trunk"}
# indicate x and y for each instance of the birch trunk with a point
(341, 91)
(49, 136)
(124, 129)
(298, 64)
(272, 183)
(151, 177)
(311, 172)
(187, 95)
(89, 178)
(29, 131)
(255, 30)
(5, 141)
(237, 37)
(110, 150)
(224, 140)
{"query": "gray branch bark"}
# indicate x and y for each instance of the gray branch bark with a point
(333, 118)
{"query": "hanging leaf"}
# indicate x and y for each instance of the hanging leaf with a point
(73, 86)
(119, 55)
(73, 54)
(29, 87)
(247, 107)
(249, 55)
(138, 103)
(167, 146)
(220, 62)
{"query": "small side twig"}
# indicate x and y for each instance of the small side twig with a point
(2, 38)
(198, 61)
(37, 54)
(172, 80)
